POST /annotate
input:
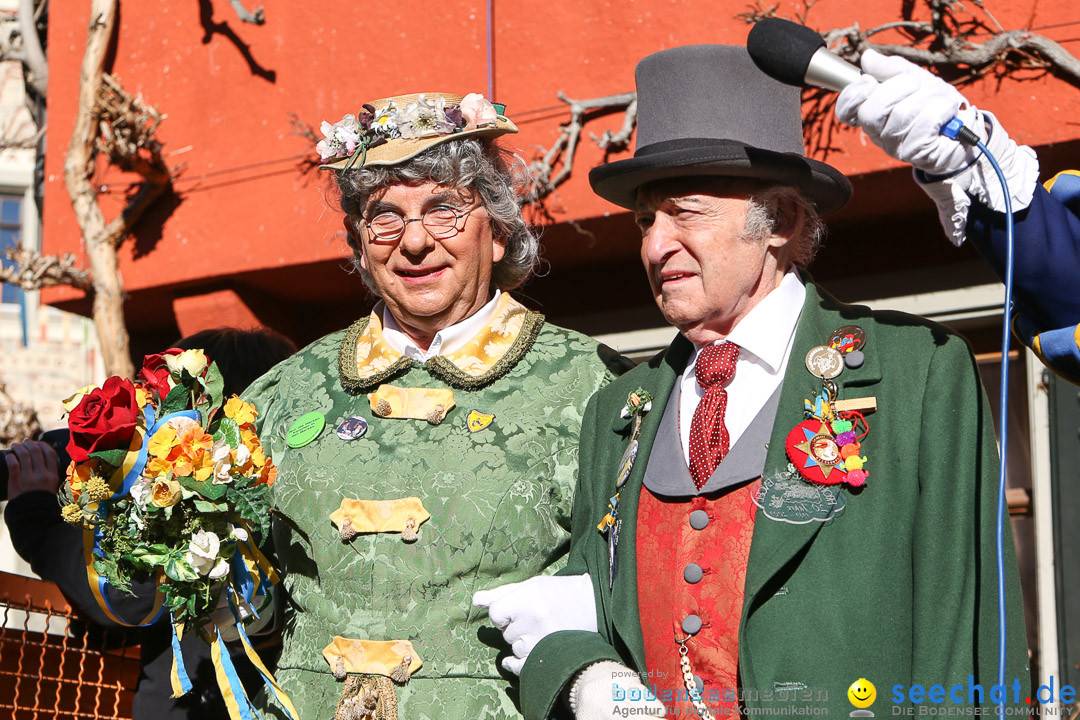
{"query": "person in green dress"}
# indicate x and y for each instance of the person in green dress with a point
(429, 450)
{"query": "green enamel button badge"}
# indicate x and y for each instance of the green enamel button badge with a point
(305, 429)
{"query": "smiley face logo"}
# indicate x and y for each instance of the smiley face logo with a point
(862, 693)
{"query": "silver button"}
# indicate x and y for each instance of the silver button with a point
(693, 573)
(699, 519)
(699, 684)
(691, 625)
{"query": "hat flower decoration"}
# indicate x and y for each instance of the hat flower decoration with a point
(391, 130)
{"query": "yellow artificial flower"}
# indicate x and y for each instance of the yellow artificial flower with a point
(97, 489)
(72, 402)
(240, 411)
(202, 467)
(163, 441)
(157, 467)
(165, 493)
(72, 514)
(141, 396)
(194, 361)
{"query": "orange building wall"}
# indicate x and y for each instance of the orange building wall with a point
(243, 205)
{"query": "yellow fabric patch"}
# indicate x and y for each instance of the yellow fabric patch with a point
(371, 516)
(370, 657)
(477, 420)
(477, 356)
(431, 404)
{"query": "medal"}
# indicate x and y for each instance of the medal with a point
(824, 449)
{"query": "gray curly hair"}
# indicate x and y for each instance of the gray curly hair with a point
(496, 175)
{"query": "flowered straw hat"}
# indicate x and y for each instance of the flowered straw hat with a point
(392, 130)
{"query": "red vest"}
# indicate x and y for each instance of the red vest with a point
(668, 548)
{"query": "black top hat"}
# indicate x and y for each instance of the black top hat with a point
(708, 110)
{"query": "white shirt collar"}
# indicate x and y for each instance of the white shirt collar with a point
(768, 328)
(445, 341)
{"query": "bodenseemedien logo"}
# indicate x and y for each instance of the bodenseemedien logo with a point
(862, 695)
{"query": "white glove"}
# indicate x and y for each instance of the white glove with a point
(528, 611)
(222, 616)
(606, 688)
(901, 107)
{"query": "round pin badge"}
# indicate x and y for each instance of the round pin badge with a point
(306, 428)
(352, 428)
(848, 338)
(824, 362)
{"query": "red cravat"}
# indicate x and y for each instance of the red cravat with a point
(709, 440)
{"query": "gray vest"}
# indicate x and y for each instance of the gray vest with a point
(667, 473)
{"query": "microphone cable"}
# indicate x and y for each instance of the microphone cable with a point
(956, 130)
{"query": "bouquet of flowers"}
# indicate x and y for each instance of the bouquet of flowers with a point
(171, 482)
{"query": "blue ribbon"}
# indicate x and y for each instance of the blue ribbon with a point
(230, 672)
(178, 658)
(247, 644)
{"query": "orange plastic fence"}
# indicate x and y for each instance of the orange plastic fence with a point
(52, 665)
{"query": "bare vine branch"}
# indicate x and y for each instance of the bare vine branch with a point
(255, 17)
(26, 143)
(545, 177)
(33, 271)
(18, 422)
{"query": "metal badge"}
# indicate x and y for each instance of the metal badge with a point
(824, 362)
(848, 338)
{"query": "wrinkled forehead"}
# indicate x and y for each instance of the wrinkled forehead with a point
(400, 193)
(652, 195)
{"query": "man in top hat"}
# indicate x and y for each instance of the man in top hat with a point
(795, 498)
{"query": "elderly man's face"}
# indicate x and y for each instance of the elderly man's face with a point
(704, 272)
(430, 282)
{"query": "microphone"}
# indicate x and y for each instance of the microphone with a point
(796, 55)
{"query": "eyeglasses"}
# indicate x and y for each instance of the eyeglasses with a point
(441, 222)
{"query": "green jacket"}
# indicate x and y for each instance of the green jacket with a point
(898, 588)
(499, 498)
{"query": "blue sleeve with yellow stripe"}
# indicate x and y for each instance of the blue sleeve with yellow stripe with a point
(1046, 269)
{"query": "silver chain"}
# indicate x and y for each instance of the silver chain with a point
(691, 687)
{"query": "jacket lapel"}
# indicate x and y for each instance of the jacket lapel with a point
(660, 382)
(775, 544)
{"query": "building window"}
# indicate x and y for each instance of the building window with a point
(10, 236)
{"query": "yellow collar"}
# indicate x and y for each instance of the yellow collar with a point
(366, 359)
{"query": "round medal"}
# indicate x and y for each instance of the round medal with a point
(824, 362)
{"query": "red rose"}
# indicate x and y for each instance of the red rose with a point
(155, 375)
(104, 420)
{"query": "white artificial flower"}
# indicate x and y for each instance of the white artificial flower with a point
(203, 552)
(140, 491)
(221, 456)
(242, 455)
(220, 570)
(194, 361)
(240, 533)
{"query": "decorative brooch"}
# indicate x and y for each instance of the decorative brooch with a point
(638, 403)
(825, 448)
